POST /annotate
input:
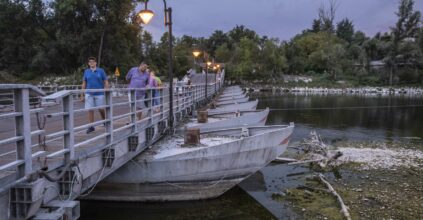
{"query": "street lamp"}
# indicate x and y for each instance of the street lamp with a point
(208, 63)
(146, 15)
(215, 78)
(196, 53)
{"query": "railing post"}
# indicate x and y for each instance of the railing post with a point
(183, 98)
(150, 95)
(133, 109)
(161, 103)
(109, 116)
(23, 128)
(177, 99)
(68, 125)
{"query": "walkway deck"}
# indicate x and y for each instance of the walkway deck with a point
(41, 142)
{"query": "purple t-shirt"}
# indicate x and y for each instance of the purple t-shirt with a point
(138, 80)
(153, 82)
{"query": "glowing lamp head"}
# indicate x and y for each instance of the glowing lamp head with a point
(196, 53)
(146, 15)
(209, 63)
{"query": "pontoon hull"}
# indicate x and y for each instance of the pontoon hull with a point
(232, 101)
(235, 107)
(251, 119)
(199, 174)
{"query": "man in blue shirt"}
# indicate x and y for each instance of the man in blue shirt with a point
(94, 78)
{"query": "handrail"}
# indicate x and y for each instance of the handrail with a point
(35, 90)
(64, 121)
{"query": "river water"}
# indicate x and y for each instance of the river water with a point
(334, 117)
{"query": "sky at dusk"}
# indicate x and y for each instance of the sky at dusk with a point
(282, 19)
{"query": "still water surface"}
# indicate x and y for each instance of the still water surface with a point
(334, 117)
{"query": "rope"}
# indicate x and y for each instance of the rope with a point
(345, 108)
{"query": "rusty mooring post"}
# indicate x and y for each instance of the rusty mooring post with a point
(213, 105)
(192, 136)
(202, 116)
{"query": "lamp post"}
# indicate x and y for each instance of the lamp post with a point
(218, 72)
(146, 15)
(215, 78)
(196, 53)
(208, 63)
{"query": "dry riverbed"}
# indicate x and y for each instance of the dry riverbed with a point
(376, 180)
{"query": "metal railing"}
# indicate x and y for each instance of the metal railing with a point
(32, 138)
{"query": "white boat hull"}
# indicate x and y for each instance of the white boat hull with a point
(235, 107)
(232, 101)
(230, 94)
(201, 173)
(232, 98)
(251, 119)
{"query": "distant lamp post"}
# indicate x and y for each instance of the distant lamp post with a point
(196, 53)
(146, 15)
(215, 78)
(208, 63)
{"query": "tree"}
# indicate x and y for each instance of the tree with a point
(317, 26)
(407, 26)
(246, 59)
(327, 16)
(223, 54)
(345, 30)
(272, 60)
(217, 39)
(240, 32)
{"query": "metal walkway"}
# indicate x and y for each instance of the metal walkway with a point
(47, 159)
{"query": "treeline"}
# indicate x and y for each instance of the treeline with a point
(56, 38)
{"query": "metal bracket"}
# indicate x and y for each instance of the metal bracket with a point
(109, 157)
(149, 134)
(161, 127)
(132, 143)
(26, 199)
(67, 183)
(245, 132)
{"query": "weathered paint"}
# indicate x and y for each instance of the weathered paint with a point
(221, 166)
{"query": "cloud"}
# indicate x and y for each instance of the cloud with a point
(275, 18)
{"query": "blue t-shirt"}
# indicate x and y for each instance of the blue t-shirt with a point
(95, 80)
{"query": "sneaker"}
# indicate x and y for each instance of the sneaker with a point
(90, 129)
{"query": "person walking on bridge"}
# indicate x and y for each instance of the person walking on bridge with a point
(154, 84)
(138, 78)
(94, 78)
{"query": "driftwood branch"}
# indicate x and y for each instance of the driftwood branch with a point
(344, 208)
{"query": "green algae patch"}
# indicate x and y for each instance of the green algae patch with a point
(312, 203)
(369, 194)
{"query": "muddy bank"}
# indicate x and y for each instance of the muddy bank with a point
(374, 183)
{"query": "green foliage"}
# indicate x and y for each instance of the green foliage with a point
(58, 37)
(345, 30)
(55, 38)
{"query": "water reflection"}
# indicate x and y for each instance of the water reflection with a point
(235, 204)
(373, 123)
(378, 117)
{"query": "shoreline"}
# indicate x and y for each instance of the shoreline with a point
(340, 91)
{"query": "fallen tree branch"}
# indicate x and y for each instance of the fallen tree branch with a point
(304, 162)
(284, 160)
(344, 208)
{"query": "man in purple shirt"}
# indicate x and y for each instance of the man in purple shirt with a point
(138, 78)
